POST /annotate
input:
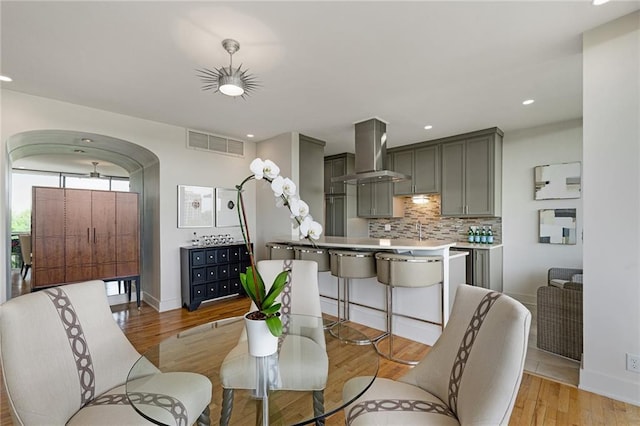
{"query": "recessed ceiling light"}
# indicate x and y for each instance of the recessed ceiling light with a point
(428, 127)
(249, 135)
(599, 2)
(528, 102)
(5, 78)
(87, 140)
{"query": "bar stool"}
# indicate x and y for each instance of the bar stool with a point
(406, 270)
(279, 251)
(321, 257)
(348, 264)
(318, 255)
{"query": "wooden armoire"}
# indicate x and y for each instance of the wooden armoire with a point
(80, 235)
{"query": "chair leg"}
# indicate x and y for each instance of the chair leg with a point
(227, 406)
(318, 406)
(205, 418)
(26, 270)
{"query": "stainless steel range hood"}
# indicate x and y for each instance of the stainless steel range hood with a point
(371, 155)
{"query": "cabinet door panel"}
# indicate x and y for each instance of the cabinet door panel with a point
(338, 168)
(365, 200)
(481, 268)
(47, 236)
(327, 176)
(103, 214)
(78, 235)
(426, 171)
(383, 199)
(127, 234)
(339, 216)
(403, 163)
(478, 179)
(453, 201)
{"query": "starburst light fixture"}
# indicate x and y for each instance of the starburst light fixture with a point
(229, 81)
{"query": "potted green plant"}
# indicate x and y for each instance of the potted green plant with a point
(268, 308)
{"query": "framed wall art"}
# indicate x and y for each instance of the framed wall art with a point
(226, 209)
(557, 226)
(557, 181)
(195, 206)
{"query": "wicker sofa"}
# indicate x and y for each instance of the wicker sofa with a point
(560, 313)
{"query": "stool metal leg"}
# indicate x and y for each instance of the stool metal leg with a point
(342, 331)
(329, 324)
(389, 334)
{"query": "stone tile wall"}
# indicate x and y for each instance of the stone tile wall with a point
(434, 227)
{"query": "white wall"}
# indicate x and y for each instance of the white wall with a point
(611, 153)
(272, 222)
(525, 260)
(178, 165)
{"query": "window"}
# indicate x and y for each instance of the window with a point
(85, 182)
(21, 183)
(23, 180)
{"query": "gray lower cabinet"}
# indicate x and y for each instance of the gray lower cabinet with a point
(423, 165)
(472, 176)
(211, 272)
(335, 216)
(487, 268)
(375, 200)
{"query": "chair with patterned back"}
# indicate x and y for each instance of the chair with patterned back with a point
(65, 361)
(470, 376)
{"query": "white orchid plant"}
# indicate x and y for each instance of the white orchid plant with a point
(284, 189)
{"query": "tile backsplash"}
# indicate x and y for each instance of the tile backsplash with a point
(434, 227)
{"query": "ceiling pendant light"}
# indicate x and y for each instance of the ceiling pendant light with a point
(94, 173)
(229, 81)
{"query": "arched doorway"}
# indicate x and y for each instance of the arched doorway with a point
(141, 164)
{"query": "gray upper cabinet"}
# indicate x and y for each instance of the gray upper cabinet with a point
(337, 165)
(423, 165)
(375, 200)
(335, 216)
(472, 175)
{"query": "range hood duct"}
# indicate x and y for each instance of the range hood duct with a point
(371, 155)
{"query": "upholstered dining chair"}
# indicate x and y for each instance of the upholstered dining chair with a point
(65, 361)
(305, 373)
(470, 376)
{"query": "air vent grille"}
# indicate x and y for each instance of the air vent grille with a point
(214, 143)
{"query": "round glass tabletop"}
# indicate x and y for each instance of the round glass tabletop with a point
(303, 380)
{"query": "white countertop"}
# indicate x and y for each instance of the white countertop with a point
(373, 243)
(477, 246)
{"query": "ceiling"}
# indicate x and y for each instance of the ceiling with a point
(458, 66)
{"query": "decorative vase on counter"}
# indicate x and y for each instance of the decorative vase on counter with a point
(260, 340)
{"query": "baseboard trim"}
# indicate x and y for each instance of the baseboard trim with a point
(611, 387)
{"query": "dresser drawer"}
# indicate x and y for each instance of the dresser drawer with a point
(198, 275)
(197, 258)
(199, 292)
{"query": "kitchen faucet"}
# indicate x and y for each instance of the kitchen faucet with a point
(419, 229)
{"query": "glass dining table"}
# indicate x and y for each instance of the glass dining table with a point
(215, 350)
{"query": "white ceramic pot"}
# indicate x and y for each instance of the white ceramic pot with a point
(261, 341)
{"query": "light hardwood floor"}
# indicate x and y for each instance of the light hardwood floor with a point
(539, 402)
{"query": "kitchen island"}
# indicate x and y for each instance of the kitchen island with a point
(421, 307)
